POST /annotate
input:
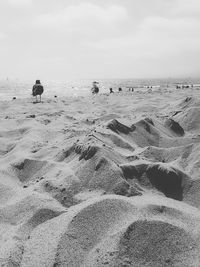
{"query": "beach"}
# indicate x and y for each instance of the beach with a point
(104, 180)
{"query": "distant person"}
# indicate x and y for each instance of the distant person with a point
(120, 89)
(37, 90)
(111, 91)
(95, 88)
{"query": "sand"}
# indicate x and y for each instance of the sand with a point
(106, 180)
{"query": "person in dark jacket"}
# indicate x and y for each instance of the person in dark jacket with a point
(37, 90)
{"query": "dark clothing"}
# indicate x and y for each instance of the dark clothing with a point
(37, 89)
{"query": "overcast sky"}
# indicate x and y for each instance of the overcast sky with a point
(69, 39)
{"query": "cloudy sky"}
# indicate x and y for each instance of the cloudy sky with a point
(69, 39)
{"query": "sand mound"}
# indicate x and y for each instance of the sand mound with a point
(142, 132)
(22, 209)
(170, 181)
(153, 133)
(149, 243)
(157, 154)
(29, 169)
(65, 153)
(18, 220)
(63, 189)
(113, 235)
(115, 140)
(188, 102)
(117, 127)
(86, 152)
(93, 161)
(145, 124)
(174, 126)
(190, 160)
(145, 134)
(189, 119)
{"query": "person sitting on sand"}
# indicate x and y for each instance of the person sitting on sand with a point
(95, 88)
(120, 89)
(37, 90)
(111, 91)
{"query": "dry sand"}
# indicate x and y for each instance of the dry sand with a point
(106, 180)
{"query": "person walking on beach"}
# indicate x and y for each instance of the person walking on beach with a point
(37, 90)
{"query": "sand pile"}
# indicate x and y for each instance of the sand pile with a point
(118, 231)
(111, 180)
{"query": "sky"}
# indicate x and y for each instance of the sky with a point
(86, 39)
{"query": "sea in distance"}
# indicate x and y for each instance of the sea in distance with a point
(10, 88)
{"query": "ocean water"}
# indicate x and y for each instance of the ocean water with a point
(23, 89)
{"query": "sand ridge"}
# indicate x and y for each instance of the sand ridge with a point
(106, 180)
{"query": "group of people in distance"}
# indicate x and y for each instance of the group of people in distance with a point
(95, 88)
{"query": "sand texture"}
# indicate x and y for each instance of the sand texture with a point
(106, 180)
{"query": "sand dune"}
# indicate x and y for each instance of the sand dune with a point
(111, 180)
(117, 231)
